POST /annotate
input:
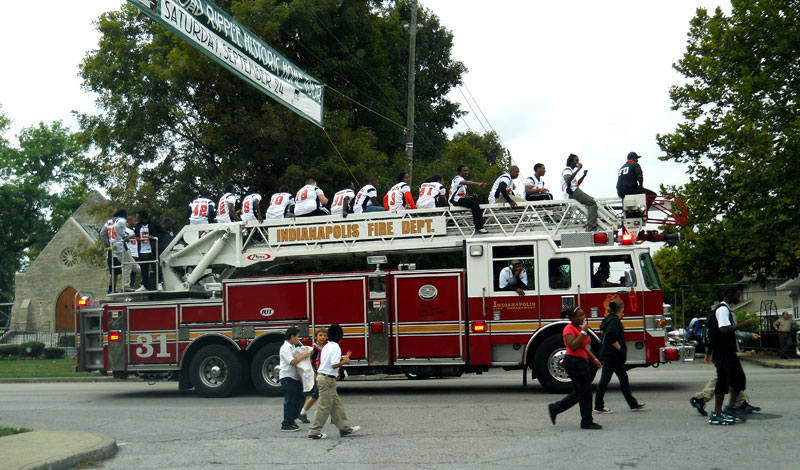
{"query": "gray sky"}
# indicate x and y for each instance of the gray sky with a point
(586, 77)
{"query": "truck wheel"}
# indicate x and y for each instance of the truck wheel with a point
(547, 364)
(215, 371)
(263, 373)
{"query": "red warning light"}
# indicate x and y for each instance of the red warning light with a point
(479, 326)
(114, 336)
(83, 301)
(627, 239)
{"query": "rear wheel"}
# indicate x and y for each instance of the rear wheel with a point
(215, 371)
(263, 371)
(548, 365)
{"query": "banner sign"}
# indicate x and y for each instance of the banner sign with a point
(209, 29)
(357, 230)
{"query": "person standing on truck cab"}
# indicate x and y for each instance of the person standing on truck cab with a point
(458, 197)
(613, 354)
(331, 359)
(630, 180)
(290, 380)
(576, 364)
(570, 183)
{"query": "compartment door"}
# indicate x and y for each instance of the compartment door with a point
(428, 317)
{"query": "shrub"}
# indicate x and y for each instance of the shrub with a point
(67, 341)
(9, 350)
(54, 353)
(31, 349)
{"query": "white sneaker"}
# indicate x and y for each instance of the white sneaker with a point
(350, 431)
(481, 231)
(160, 286)
(141, 288)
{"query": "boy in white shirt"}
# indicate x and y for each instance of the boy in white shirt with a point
(290, 380)
(329, 404)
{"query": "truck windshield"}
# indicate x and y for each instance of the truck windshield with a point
(649, 271)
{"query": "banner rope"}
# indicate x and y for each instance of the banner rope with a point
(341, 156)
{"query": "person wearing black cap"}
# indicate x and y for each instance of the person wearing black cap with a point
(630, 179)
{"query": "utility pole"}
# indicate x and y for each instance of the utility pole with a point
(412, 44)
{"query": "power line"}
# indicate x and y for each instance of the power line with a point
(473, 111)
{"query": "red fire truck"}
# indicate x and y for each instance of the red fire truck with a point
(213, 332)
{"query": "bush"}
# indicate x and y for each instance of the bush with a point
(67, 341)
(54, 353)
(9, 350)
(31, 349)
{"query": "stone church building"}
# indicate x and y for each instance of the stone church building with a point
(44, 298)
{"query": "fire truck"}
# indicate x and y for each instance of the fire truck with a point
(215, 332)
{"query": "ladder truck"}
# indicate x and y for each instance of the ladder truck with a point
(214, 332)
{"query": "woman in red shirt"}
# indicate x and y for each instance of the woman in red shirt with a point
(576, 365)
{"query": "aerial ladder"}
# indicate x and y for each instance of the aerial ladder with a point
(201, 256)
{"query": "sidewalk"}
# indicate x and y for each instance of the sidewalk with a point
(53, 450)
(775, 362)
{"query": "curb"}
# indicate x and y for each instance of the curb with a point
(771, 362)
(36, 380)
(104, 448)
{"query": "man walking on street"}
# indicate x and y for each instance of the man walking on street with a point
(290, 380)
(329, 404)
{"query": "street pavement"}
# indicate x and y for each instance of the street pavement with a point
(469, 422)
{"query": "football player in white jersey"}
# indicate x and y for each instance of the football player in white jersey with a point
(534, 185)
(399, 197)
(200, 210)
(432, 193)
(458, 196)
(133, 248)
(251, 207)
(342, 201)
(310, 201)
(121, 260)
(367, 198)
(503, 187)
(280, 204)
(226, 209)
(148, 232)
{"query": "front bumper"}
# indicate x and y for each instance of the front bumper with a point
(676, 353)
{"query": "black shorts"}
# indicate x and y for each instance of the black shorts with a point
(314, 393)
(729, 374)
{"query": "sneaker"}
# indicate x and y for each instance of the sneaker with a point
(141, 289)
(160, 286)
(292, 428)
(349, 431)
(482, 231)
(603, 411)
(699, 404)
(639, 407)
(728, 411)
(591, 426)
(719, 419)
(321, 435)
(303, 419)
(128, 289)
(551, 411)
(748, 408)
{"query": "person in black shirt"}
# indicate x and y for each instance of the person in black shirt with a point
(630, 179)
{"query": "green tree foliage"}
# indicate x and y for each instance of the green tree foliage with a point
(41, 188)
(176, 124)
(740, 142)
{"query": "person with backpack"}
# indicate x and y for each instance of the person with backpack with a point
(721, 340)
(613, 354)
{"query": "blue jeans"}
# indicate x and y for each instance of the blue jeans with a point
(374, 209)
(292, 401)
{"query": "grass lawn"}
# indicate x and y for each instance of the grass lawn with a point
(15, 369)
(4, 431)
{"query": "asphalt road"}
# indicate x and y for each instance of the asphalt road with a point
(484, 421)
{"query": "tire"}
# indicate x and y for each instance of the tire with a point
(262, 371)
(215, 371)
(548, 368)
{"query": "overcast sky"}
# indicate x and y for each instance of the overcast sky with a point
(552, 78)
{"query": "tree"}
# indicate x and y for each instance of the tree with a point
(175, 124)
(40, 191)
(740, 141)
